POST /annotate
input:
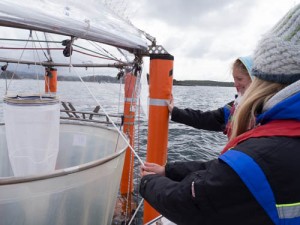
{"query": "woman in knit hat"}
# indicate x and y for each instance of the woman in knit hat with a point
(255, 181)
(219, 119)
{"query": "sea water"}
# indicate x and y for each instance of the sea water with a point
(185, 143)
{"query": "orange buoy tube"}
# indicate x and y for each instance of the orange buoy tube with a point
(160, 91)
(126, 186)
(50, 80)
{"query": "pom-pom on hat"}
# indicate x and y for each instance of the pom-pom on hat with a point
(277, 55)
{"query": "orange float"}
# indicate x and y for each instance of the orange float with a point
(126, 186)
(160, 92)
(51, 80)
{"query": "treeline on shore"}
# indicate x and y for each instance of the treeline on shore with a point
(112, 79)
(96, 78)
(202, 83)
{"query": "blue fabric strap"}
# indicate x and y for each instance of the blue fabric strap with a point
(255, 179)
(226, 111)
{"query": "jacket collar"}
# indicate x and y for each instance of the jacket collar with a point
(284, 105)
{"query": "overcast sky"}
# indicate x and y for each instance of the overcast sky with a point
(206, 36)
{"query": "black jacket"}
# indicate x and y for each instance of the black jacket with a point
(221, 198)
(214, 120)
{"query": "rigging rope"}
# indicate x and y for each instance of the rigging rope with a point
(30, 39)
(37, 75)
(59, 42)
(84, 53)
(98, 47)
(136, 211)
(18, 63)
(48, 51)
(109, 119)
(133, 104)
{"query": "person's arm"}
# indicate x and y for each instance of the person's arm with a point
(210, 120)
(164, 193)
(175, 200)
(211, 195)
(177, 171)
(170, 198)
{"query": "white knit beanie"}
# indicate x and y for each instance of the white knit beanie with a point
(277, 55)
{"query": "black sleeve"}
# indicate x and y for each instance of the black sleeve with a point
(179, 170)
(212, 195)
(173, 198)
(210, 120)
(170, 198)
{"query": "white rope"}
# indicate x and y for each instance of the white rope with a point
(121, 134)
(134, 95)
(35, 54)
(35, 70)
(109, 118)
(16, 68)
(93, 96)
(136, 210)
(128, 191)
(120, 86)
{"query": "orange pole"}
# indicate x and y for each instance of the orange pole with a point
(51, 80)
(126, 187)
(160, 91)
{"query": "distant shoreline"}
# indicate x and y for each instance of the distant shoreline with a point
(111, 79)
(202, 83)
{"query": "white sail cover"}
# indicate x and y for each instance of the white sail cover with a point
(88, 19)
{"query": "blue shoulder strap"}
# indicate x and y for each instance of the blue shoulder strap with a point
(226, 111)
(255, 179)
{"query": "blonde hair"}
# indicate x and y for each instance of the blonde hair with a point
(258, 93)
(238, 64)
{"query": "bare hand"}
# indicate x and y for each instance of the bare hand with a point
(171, 104)
(152, 168)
